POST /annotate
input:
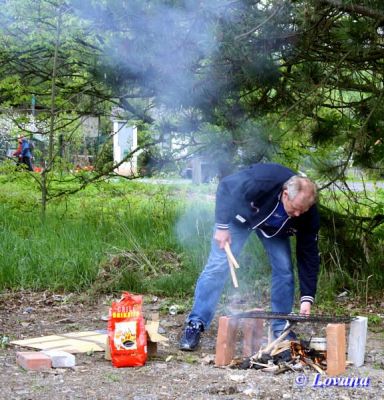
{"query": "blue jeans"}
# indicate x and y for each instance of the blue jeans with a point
(210, 284)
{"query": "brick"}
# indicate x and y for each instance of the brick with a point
(33, 360)
(60, 358)
(226, 341)
(336, 348)
(253, 329)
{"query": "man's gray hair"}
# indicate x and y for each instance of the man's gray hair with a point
(301, 184)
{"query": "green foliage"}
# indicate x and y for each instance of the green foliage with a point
(4, 342)
(374, 320)
(298, 82)
(112, 236)
(351, 248)
(146, 238)
(326, 129)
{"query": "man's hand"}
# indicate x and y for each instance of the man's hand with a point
(305, 308)
(222, 236)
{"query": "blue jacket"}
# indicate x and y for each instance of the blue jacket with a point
(248, 197)
(25, 148)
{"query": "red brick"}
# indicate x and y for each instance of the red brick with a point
(226, 341)
(336, 349)
(34, 360)
(253, 329)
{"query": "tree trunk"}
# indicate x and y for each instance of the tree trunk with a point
(49, 163)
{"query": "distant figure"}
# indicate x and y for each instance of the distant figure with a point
(17, 153)
(24, 153)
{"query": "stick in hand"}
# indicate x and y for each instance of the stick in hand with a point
(232, 262)
(230, 255)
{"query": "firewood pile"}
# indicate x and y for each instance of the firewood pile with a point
(285, 355)
(282, 355)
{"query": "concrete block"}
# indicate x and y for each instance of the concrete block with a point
(253, 329)
(357, 340)
(226, 341)
(336, 349)
(33, 360)
(60, 359)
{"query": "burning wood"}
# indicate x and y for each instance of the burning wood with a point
(284, 355)
(315, 359)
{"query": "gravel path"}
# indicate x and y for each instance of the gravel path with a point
(172, 374)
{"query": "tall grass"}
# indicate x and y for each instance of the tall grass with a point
(56, 254)
(82, 235)
(133, 236)
(352, 250)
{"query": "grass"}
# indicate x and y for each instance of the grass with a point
(80, 235)
(126, 235)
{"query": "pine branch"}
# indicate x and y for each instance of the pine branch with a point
(355, 8)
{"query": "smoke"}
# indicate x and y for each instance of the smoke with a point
(179, 61)
(159, 49)
(165, 51)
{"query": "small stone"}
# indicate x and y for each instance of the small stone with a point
(249, 392)
(161, 330)
(208, 359)
(173, 310)
(237, 378)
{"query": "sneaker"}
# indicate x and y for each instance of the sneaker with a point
(191, 336)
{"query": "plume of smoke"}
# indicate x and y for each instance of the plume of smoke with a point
(163, 47)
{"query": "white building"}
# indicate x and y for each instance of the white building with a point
(124, 142)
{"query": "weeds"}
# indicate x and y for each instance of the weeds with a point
(4, 342)
(117, 236)
(140, 237)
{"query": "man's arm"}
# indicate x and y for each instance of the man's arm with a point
(225, 203)
(308, 266)
(308, 259)
(233, 190)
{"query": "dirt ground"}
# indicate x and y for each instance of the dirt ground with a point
(172, 374)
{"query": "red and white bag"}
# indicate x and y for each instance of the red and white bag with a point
(126, 332)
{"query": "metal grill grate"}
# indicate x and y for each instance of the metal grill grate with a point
(294, 317)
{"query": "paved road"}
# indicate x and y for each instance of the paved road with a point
(364, 186)
(355, 186)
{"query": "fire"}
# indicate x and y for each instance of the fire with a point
(308, 356)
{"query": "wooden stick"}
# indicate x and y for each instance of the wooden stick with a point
(230, 255)
(282, 346)
(272, 345)
(233, 273)
(314, 366)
